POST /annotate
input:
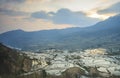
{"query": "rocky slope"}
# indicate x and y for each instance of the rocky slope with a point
(12, 63)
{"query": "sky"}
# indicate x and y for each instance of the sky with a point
(35, 15)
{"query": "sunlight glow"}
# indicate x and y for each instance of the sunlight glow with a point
(102, 17)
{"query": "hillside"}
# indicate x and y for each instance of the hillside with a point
(104, 34)
(95, 63)
(12, 63)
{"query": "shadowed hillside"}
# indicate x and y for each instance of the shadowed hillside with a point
(12, 63)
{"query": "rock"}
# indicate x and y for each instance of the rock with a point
(73, 72)
(93, 72)
(27, 64)
(36, 74)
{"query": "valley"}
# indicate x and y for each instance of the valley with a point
(95, 63)
(90, 52)
(55, 63)
(59, 39)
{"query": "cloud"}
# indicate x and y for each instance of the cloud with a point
(11, 1)
(11, 4)
(8, 23)
(41, 14)
(12, 12)
(65, 16)
(112, 9)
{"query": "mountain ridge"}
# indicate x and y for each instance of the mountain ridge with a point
(101, 34)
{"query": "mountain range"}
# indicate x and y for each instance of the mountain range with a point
(105, 34)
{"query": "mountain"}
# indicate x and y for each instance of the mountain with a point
(103, 34)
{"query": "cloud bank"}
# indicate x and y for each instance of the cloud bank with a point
(12, 12)
(65, 16)
(115, 8)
